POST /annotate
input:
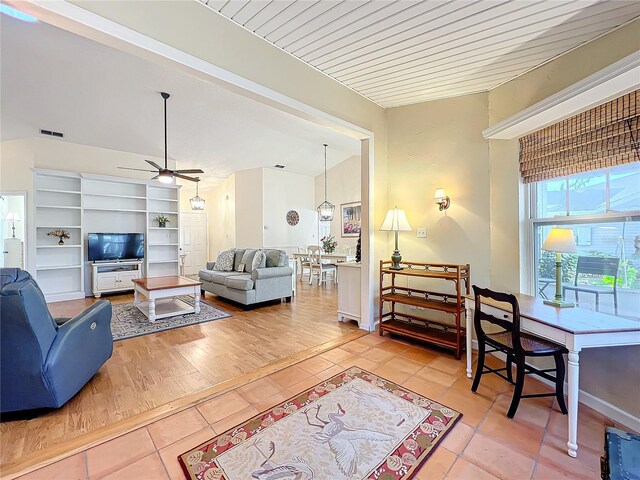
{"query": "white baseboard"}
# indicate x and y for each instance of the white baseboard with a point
(601, 406)
(62, 297)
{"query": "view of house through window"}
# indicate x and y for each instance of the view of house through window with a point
(602, 208)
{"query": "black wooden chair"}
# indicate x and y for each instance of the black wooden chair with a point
(517, 346)
(595, 267)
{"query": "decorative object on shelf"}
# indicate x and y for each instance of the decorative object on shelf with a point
(162, 220)
(359, 248)
(197, 203)
(293, 218)
(396, 221)
(442, 200)
(559, 240)
(325, 209)
(13, 217)
(329, 244)
(351, 218)
(164, 174)
(61, 234)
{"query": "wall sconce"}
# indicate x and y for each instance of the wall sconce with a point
(441, 199)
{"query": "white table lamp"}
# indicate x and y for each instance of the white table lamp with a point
(396, 221)
(559, 240)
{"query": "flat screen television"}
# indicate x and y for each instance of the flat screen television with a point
(115, 246)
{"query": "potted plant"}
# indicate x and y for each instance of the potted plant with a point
(328, 244)
(61, 234)
(162, 220)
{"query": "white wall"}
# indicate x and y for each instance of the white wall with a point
(284, 191)
(249, 209)
(439, 144)
(343, 186)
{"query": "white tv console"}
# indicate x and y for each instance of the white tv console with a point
(114, 276)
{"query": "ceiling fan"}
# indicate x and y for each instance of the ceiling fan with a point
(165, 174)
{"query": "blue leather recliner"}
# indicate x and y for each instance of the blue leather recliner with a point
(43, 364)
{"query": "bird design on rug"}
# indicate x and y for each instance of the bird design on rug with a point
(381, 403)
(296, 469)
(340, 438)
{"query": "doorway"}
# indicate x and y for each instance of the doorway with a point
(13, 229)
(193, 242)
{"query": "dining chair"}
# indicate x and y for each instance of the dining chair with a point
(304, 261)
(319, 268)
(517, 346)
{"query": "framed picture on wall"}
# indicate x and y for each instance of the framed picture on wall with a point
(350, 216)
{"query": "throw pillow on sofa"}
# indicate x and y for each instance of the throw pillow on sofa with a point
(247, 258)
(275, 258)
(259, 260)
(224, 262)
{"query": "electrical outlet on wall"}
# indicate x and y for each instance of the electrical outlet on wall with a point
(422, 232)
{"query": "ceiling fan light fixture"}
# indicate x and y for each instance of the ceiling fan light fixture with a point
(165, 177)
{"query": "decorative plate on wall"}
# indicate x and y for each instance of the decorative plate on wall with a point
(293, 218)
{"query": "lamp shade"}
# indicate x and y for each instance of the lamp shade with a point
(440, 194)
(13, 216)
(560, 240)
(395, 221)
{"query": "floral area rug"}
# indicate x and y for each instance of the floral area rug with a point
(355, 425)
(127, 321)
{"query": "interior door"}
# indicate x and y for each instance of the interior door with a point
(193, 241)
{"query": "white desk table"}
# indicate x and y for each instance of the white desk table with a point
(575, 328)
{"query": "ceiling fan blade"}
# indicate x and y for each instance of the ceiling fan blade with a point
(184, 177)
(195, 170)
(154, 165)
(156, 177)
(138, 169)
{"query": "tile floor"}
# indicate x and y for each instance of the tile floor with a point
(483, 445)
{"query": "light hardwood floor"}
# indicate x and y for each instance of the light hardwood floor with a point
(154, 370)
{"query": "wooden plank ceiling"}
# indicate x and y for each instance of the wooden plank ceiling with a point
(408, 51)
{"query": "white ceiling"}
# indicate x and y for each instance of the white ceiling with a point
(99, 96)
(408, 51)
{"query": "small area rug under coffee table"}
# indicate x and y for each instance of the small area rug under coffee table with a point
(128, 321)
(355, 425)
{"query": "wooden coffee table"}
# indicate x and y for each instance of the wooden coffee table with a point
(162, 296)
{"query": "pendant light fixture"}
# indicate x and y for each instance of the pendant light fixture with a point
(197, 202)
(325, 209)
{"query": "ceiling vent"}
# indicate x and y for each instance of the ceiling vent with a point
(51, 133)
(279, 166)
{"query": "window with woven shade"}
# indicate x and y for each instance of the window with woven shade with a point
(602, 137)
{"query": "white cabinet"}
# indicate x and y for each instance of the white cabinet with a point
(114, 276)
(349, 291)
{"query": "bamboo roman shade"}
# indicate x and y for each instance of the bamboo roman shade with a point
(605, 136)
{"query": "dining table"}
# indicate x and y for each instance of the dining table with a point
(329, 257)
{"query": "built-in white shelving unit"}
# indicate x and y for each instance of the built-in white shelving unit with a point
(162, 242)
(85, 203)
